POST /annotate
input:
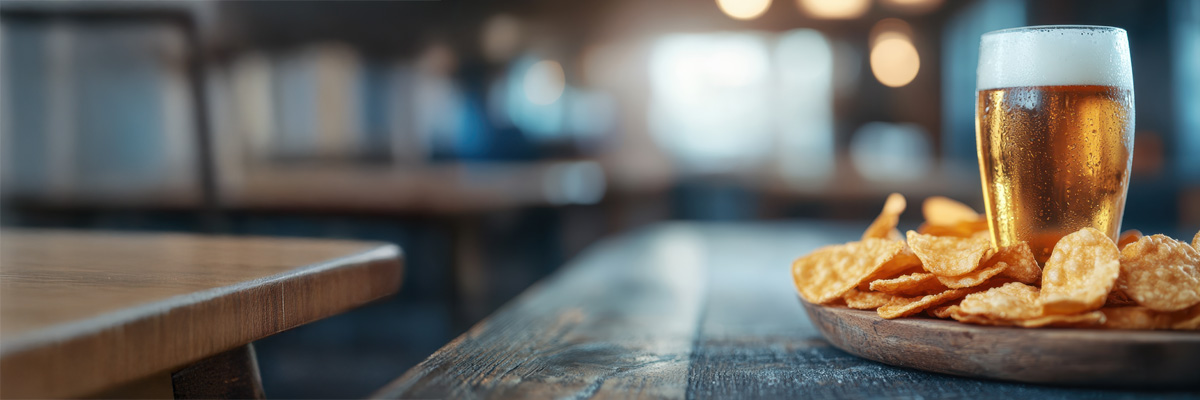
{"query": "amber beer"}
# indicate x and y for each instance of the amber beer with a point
(1054, 128)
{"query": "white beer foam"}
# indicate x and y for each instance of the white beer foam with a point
(1054, 55)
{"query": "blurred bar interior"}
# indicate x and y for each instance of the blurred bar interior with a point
(495, 140)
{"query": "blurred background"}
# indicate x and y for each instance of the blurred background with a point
(494, 141)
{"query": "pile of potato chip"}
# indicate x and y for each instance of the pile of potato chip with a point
(949, 269)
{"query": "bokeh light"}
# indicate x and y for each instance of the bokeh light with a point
(709, 99)
(544, 82)
(437, 59)
(580, 182)
(889, 28)
(609, 65)
(889, 152)
(525, 83)
(894, 60)
(500, 38)
(803, 106)
(834, 9)
(590, 114)
(912, 6)
(744, 9)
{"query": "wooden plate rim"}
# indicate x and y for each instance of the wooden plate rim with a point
(899, 350)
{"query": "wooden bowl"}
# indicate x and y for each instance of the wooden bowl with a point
(1075, 357)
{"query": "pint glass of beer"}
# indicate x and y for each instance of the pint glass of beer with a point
(1054, 128)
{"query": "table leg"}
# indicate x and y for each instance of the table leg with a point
(229, 375)
(467, 272)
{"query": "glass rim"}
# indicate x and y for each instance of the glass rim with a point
(1101, 28)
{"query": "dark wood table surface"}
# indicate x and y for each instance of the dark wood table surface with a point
(682, 311)
(130, 314)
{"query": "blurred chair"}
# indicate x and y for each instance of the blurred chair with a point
(105, 107)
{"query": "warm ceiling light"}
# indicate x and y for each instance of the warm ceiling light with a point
(834, 9)
(890, 27)
(744, 9)
(912, 6)
(544, 82)
(894, 61)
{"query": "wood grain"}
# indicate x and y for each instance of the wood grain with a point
(580, 334)
(1089, 357)
(80, 312)
(681, 311)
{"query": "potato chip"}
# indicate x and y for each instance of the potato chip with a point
(831, 271)
(865, 300)
(1128, 237)
(1196, 241)
(1015, 304)
(1022, 267)
(1189, 319)
(939, 230)
(1161, 273)
(976, 227)
(905, 306)
(865, 285)
(1080, 273)
(944, 211)
(1011, 301)
(1071, 320)
(964, 229)
(948, 256)
(884, 226)
(947, 217)
(1063, 320)
(915, 284)
(1118, 298)
(973, 278)
(1136, 318)
(943, 311)
(983, 234)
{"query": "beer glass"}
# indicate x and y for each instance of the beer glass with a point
(1054, 129)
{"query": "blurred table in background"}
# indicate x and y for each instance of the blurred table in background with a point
(435, 189)
(452, 188)
(681, 310)
(120, 315)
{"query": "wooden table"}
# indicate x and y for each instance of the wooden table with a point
(680, 310)
(122, 314)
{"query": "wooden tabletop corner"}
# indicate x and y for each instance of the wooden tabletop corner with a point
(83, 311)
